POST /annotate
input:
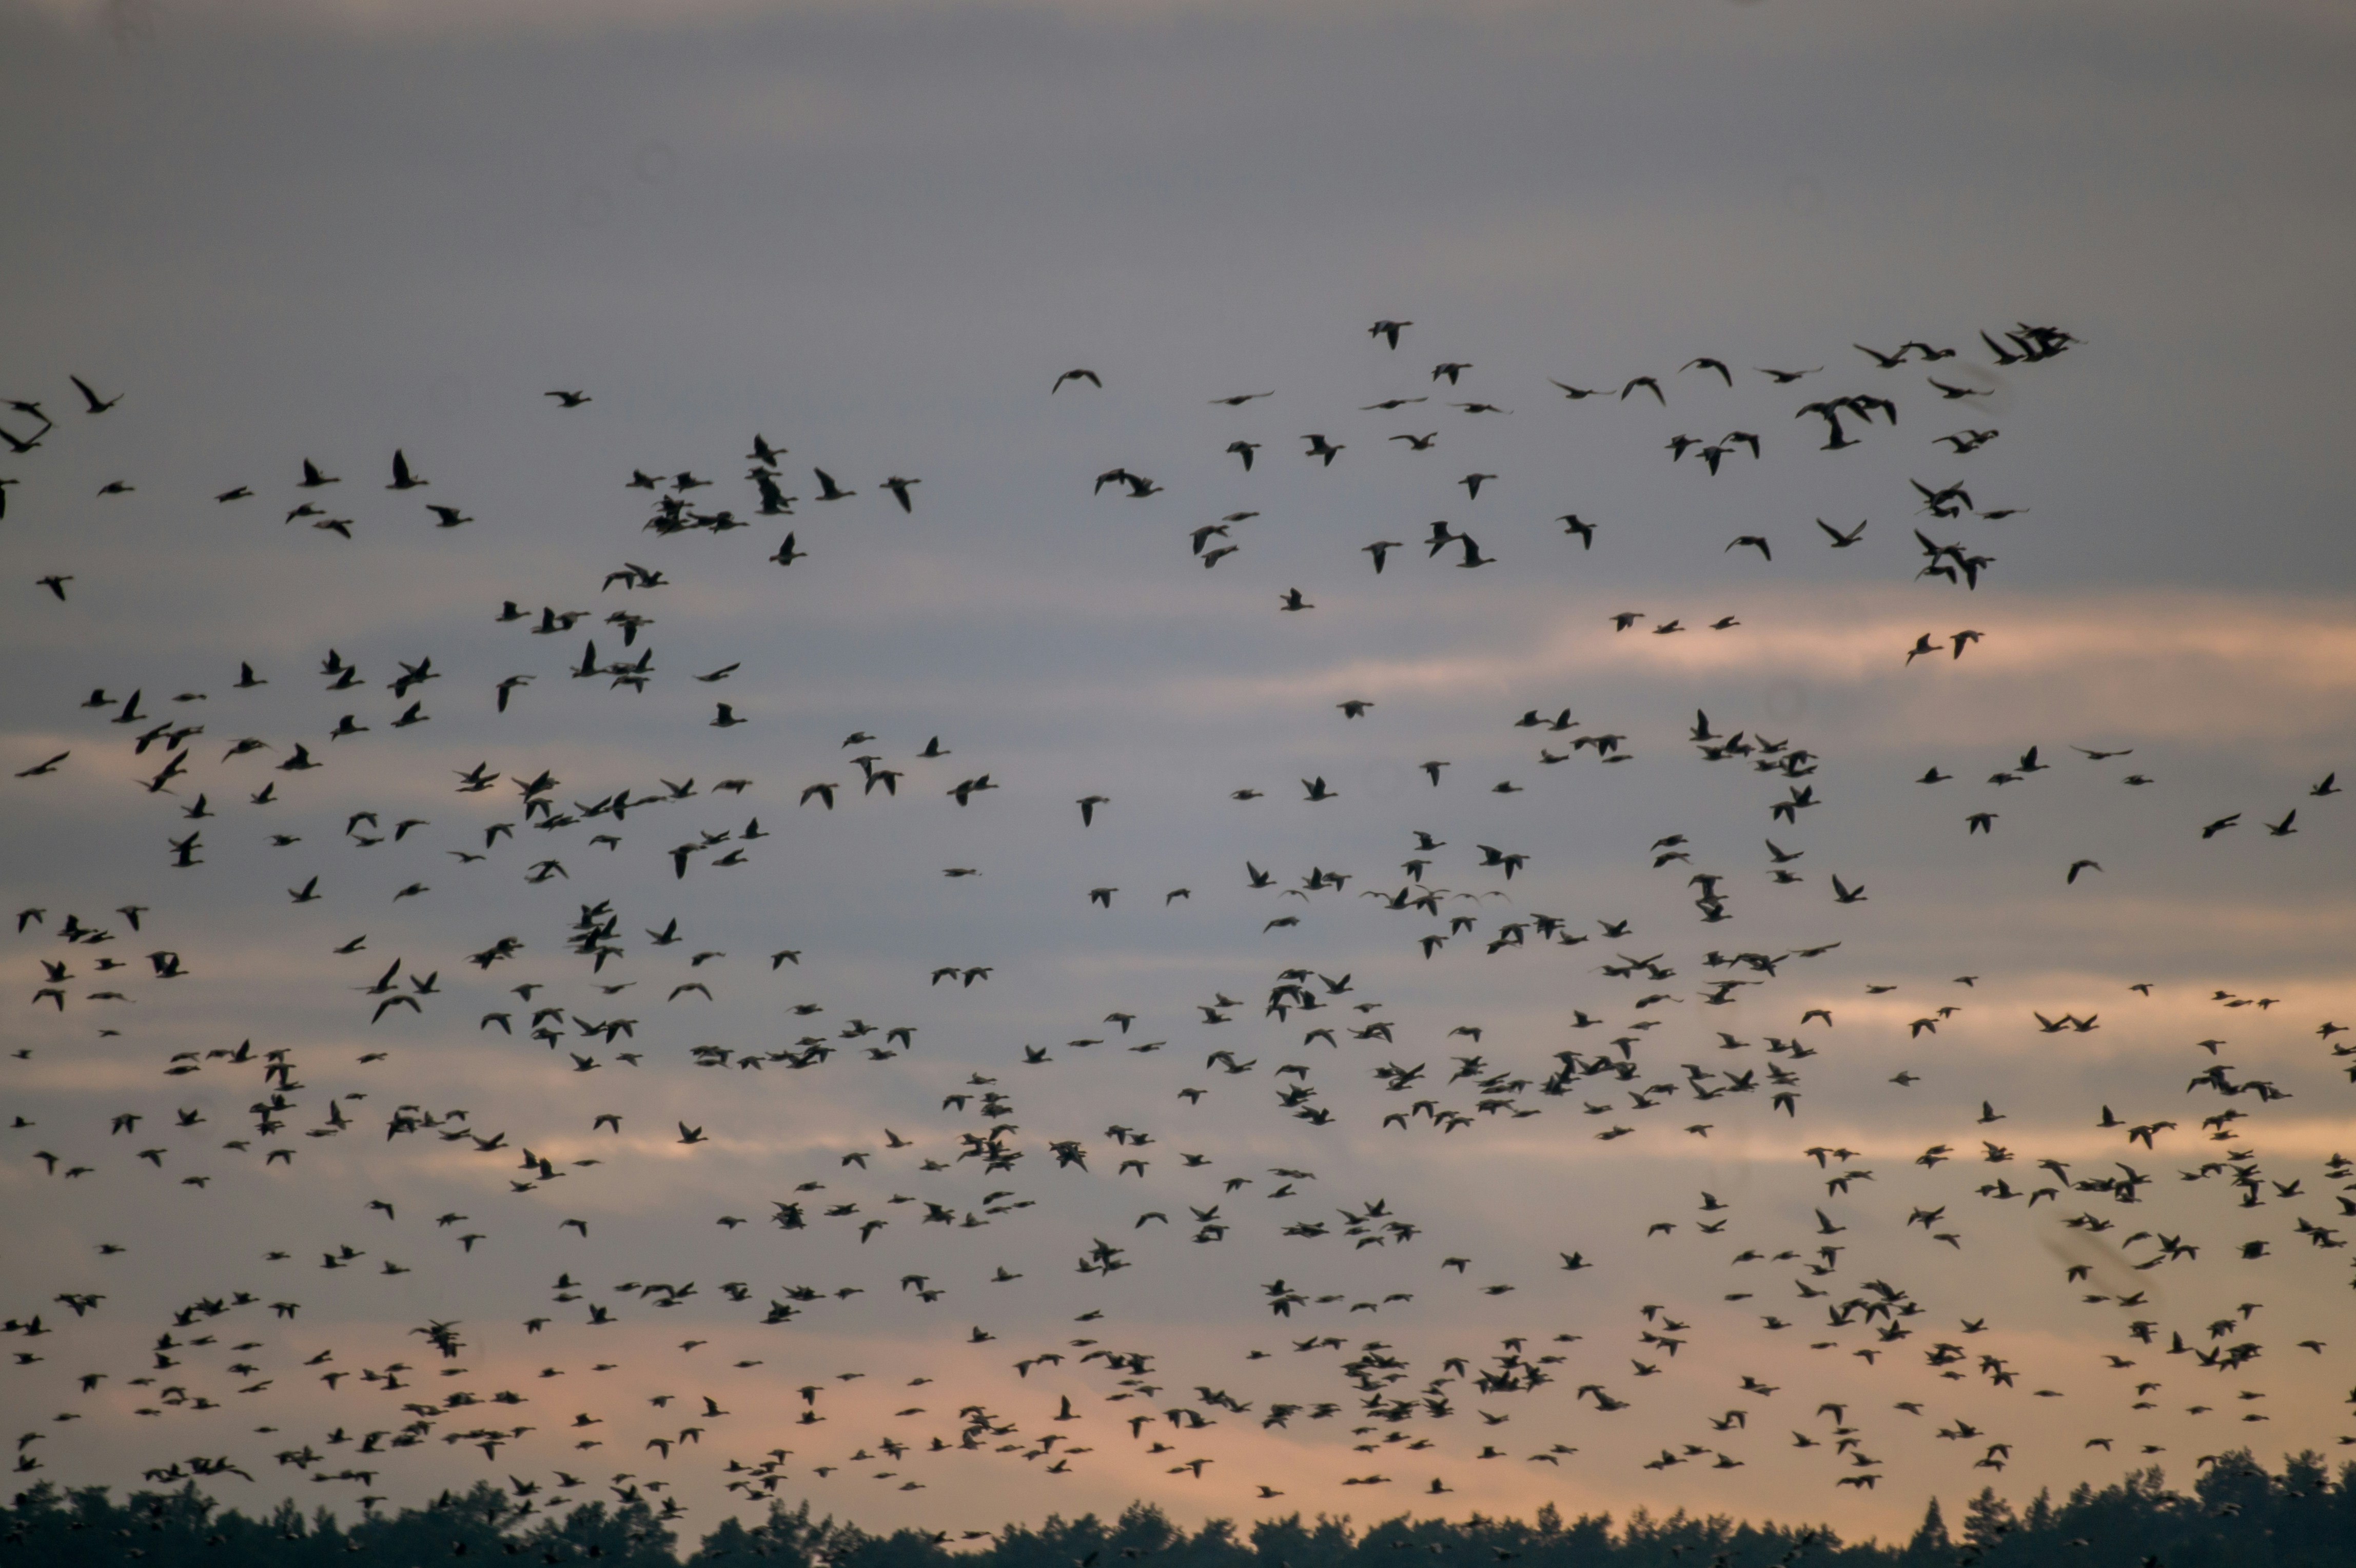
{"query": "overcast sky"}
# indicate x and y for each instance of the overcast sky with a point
(874, 236)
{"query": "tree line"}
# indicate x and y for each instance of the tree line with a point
(2237, 1513)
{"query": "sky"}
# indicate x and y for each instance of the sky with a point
(874, 238)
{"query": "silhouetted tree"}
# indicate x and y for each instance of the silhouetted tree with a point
(2238, 1513)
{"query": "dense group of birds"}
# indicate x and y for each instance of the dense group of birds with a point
(210, 761)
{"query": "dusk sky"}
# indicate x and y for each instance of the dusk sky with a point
(2095, 258)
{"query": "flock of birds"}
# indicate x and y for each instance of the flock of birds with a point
(191, 1384)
